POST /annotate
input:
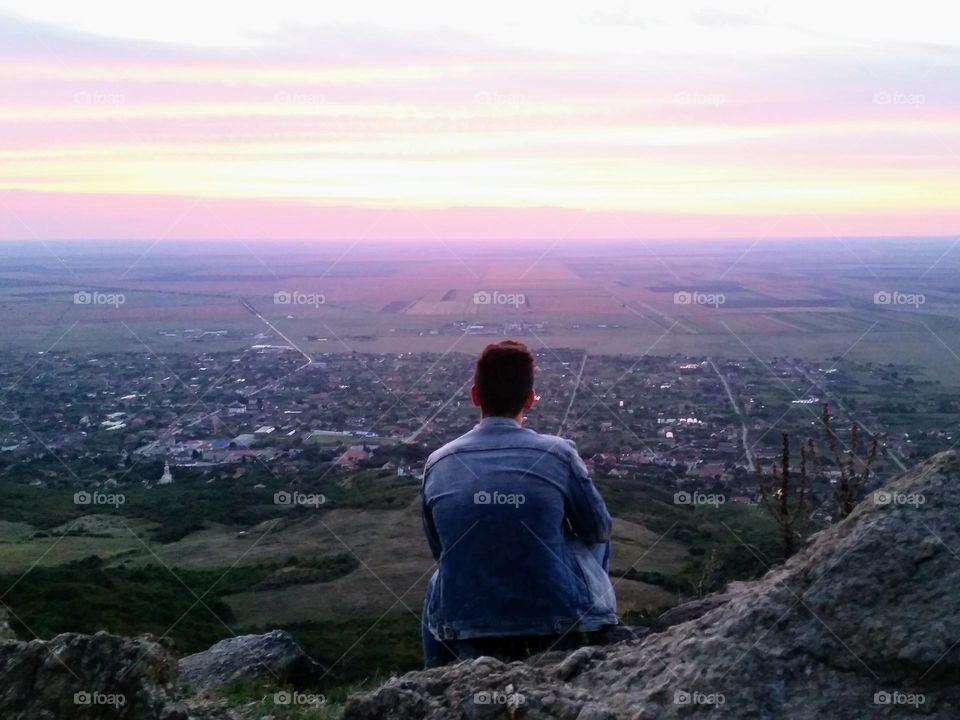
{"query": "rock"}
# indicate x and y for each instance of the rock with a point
(685, 612)
(6, 632)
(863, 623)
(86, 677)
(214, 706)
(274, 656)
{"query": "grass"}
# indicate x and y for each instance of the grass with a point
(14, 532)
(357, 651)
(320, 437)
(196, 501)
(183, 604)
(742, 538)
(264, 698)
(106, 537)
(85, 596)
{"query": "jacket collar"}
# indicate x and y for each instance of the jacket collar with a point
(489, 423)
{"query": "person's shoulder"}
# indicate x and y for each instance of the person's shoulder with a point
(448, 449)
(554, 443)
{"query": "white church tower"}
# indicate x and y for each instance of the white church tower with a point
(167, 477)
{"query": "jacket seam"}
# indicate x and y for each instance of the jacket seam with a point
(549, 451)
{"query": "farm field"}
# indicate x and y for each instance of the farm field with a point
(727, 299)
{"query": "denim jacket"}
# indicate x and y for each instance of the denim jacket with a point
(520, 535)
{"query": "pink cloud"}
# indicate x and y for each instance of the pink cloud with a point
(65, 216)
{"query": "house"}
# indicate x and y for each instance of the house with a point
(710, 470)
(236, 408)
(351, 456)
(240, 456)
(407, 471)
(638, 458)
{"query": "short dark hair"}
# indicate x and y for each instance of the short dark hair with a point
(504, 377)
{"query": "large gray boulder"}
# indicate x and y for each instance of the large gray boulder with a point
(863, 623)
(272, 656)
(87, 677)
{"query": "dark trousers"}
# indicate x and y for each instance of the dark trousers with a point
(442, 652)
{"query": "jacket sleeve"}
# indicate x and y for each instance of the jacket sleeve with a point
(585, 508)
(429, 528)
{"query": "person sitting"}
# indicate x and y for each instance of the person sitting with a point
(519, 532)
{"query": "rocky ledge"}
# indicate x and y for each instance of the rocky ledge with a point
(107, 677)
(83, 677)
(863, 623)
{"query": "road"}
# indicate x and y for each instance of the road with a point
(251, 309)
(747, 451)
(573, 395)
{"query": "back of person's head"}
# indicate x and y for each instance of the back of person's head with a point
(504, 378)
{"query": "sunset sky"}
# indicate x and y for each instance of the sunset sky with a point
(464, 120)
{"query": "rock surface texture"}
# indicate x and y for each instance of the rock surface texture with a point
(6, 633)
(863, 623)
(83, 677)
(273, 656)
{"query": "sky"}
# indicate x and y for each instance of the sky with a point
(500, 120)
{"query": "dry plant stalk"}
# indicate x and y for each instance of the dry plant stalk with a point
(788, 507)
(851, 481)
